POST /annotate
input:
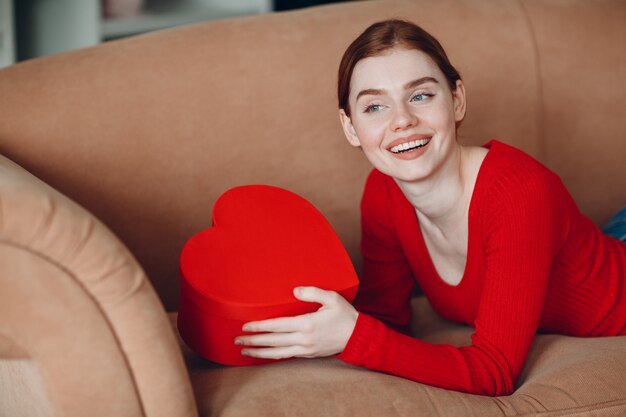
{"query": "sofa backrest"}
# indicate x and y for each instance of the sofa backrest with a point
(147, 132)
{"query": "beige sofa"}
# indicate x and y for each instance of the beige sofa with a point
(114, 155)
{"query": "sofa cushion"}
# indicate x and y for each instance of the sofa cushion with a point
(563, 376)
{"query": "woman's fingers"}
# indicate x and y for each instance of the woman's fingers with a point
(279, 325)
(293, 324)
(315, 295)
(270, 339)
(324, 332)
(276, 352)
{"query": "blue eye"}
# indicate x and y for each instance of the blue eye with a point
(421, 97)
(372, 108)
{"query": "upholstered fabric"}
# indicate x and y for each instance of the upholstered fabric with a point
(77, 314)
(133, 140)
(563, 376)
(147, 132)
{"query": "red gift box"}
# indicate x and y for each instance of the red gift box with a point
(264, 242)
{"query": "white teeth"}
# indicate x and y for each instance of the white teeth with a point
(409, 145)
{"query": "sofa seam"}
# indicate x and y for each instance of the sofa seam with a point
(540, 112)
(576, 410)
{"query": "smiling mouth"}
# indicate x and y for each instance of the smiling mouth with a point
(410, 146)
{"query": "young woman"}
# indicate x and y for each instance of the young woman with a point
(491, 236)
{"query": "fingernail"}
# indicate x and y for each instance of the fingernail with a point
(297, 291)
(245, 352)
(238, 342)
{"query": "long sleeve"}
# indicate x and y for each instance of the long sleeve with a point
(387, 282)
(522, 227)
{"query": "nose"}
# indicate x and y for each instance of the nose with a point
(403, 118)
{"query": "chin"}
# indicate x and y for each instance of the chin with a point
(405, 175)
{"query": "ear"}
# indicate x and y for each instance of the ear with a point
(458, 96)
(348, 129)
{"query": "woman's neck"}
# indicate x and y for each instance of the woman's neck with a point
(443, 199)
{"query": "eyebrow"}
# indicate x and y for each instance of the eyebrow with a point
(407, 86)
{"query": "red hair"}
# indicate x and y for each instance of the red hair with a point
(383, 36)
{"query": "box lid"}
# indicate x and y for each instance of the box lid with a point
(264, 242)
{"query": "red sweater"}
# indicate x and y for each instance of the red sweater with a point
(534, 262)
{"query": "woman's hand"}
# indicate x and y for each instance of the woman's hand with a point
(322, 333)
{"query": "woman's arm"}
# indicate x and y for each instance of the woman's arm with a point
(387, 282)
(524, 228)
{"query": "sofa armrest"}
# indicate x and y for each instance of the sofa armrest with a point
(77, 308)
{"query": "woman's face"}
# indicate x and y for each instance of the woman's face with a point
(403, 113)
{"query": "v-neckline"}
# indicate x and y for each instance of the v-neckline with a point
(423, 248)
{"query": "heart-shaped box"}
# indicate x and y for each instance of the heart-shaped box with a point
(264, 242)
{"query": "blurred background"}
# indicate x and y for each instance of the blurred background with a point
(34, 28)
